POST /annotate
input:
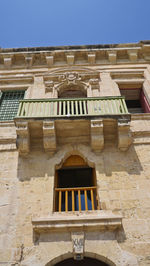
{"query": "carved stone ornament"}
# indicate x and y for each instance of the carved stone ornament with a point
(94, 81)
(70, 78)
(78, 244)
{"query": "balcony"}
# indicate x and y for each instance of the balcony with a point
(76, 199)
(72, 108)
(51, 122)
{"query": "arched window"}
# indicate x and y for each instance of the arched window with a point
(75, 186)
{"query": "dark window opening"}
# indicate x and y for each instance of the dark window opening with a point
(75, 188)
(135, 99)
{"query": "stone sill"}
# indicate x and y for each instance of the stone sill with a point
(84, 221)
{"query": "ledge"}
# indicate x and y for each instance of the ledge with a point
(89, 221)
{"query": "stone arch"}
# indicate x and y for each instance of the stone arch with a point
(78, 90)
(75, 151)
(93, 256)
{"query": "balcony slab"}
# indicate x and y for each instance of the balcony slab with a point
(78, 221)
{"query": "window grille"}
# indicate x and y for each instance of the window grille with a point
(9, 104)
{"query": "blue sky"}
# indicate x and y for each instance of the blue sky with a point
(28, 23)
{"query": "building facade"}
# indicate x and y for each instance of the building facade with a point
(75, 155)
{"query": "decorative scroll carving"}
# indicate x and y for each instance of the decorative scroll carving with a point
(78, 244)
(124, 135)
(97, 135)
(70, 77)
(49, 136)
(23, 141)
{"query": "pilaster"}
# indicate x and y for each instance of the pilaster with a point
(108, 87)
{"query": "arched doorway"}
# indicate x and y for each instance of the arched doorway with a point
(85, 262)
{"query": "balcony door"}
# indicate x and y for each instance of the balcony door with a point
(75, 186)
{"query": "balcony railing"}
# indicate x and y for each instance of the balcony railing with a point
(58, 108)
(76, 199)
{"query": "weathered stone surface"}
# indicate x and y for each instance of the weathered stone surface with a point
(123, 178)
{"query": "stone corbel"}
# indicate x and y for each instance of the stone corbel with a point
(91, 58)
(112, 56)
(49, 136)
(78, 242)
(23, 141)
(94, 83)
(50, 60)
(124, 135)
(28, 59)
(7, 60)
(70, 59)
(133, 54)
(49, 86)
(97, 135)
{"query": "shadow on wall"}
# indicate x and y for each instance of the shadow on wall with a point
(118, 235)
(115, 161)
(110, 160)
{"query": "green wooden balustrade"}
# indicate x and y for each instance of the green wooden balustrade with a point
(36, 108)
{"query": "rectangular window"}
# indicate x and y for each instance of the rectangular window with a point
(9, 104)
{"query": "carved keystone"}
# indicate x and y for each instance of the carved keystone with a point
(78, 244)
(49, 60)
(7, 60)
(132, 55)
(49, 136)
(97, 135)
(23, 137)
(124, 135)
(70, 59)
(112, 56)
(91, 58)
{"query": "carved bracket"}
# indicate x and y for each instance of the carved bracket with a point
(97, 135)
(49, 136)
(124, 135)
(94, 83)
(78, 243)
(23, 142)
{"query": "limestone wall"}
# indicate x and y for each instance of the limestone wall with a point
(27, 191)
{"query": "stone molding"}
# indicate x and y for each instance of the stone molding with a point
(89, 221)
(112, 54)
